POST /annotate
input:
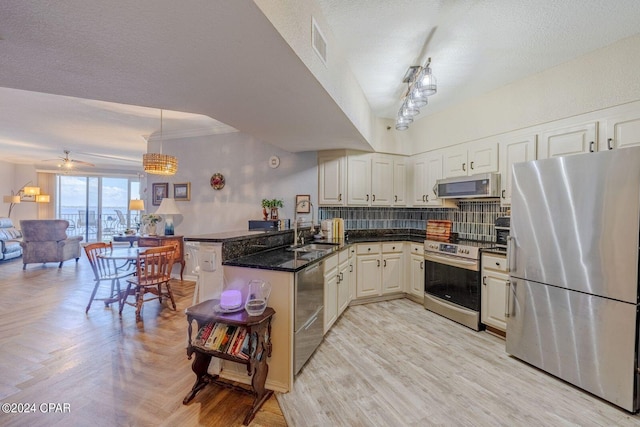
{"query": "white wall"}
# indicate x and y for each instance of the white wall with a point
(14, 177)
(7, 172)
(597, 80)
(244, 162)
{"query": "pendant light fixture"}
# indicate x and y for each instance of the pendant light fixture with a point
(158, 163)
(421, 84)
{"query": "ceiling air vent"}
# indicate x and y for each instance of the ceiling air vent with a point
(318, 42)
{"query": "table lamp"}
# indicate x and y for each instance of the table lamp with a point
(168, 209)
(136, 205)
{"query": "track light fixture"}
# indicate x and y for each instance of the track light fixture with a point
(421, 83)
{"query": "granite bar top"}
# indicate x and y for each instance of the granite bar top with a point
(229, 236)
(281, 259)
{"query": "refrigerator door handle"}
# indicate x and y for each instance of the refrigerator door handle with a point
(510, 249)
(507, 302)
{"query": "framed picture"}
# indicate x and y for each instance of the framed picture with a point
(303, 204)
(160, 191)
(182, 192)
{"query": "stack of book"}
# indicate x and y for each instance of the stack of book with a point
(230, 339)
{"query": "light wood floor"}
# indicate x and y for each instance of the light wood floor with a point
(111, 371)
(396, 364)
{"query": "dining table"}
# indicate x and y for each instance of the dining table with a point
(129, 256)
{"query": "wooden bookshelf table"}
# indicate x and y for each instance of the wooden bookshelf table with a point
(258, 329)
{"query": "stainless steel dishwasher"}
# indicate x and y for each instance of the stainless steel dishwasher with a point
(309, 313)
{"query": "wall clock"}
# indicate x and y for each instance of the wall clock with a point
(274, 162)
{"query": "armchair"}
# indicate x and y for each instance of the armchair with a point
(45, 240)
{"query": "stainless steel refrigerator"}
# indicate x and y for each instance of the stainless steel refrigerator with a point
(573, 258)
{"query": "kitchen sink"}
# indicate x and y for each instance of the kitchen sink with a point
(313, 247)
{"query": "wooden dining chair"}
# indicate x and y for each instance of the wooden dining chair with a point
(153, 269)
(105, 270)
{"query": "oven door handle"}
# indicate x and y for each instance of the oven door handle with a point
(452, 261)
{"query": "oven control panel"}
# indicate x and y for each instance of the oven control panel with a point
(448, 248)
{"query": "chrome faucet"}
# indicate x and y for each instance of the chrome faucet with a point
(295, 221)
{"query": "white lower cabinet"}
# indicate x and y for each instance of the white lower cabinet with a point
(380, 269)
(337, 286)
(331, 276)
(495, 286)
(344, 280)
(416, 271)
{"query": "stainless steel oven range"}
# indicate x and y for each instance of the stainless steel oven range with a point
(452, 280)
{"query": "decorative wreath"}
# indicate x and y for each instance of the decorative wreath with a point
(217, 181)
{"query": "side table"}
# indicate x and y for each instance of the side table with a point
(259, 332)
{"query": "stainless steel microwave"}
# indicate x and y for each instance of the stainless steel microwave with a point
(469, 187)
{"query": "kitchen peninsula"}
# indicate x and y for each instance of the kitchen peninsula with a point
(265, 255)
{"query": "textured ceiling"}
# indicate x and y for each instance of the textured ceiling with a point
(225, 60)
(475, 45)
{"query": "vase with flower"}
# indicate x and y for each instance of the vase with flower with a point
(150, 222)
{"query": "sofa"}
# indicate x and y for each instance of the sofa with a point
(45, 240)
(10, 238)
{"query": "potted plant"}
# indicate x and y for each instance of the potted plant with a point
(273, 205)
(150, 221)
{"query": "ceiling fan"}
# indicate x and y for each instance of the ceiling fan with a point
(68, 163)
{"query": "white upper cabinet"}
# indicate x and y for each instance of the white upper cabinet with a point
(513, 149)
(399, 181)
(576, 139)
(427, 170)
(623, 130)
(382, 180)
(471, 158)
(376, 180)
(331, 179)
(359, 179)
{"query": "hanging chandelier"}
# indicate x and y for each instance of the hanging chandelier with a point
(158, 163)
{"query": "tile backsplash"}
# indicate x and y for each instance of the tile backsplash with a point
(472, 220)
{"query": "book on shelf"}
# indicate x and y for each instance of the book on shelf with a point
(215, 336)
(203, 334)
(226, 338)
(232, 340)
(245, 348)
(237, 344)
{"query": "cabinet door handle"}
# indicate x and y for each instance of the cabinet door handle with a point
(338, 277)
(374, 198)
(464, 167)
(471, 165)
(591, 145)
(341, 277)
(395, 198)
(507, 299)
(434, 190)
(378, 263)
(340, 197)
(369, 249)
(384, 263)
(421, 265)
(367, 197)
(484, 280)
(350, 268)
(423, 196)
(503, 191)
(609, 141)
(427, 198)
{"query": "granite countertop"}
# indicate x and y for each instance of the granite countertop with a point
(282, 259)
(229, 236)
